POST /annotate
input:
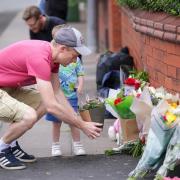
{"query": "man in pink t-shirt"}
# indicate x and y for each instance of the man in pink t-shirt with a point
(36, 62)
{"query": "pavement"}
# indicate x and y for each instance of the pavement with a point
(38, 141)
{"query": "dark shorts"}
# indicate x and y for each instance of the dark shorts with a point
(74, 104)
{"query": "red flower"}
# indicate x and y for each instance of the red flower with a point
(130, 81)
(117, 101)
(137, 85)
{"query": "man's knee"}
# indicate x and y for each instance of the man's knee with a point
(30, 118)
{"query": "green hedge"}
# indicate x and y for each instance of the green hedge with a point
(169, 6)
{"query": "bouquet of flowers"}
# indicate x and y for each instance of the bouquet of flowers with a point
(140, 75)
(121, 105)
(92, 110)
(131, 84)
(158, 138)
(142, 107)
(134, 148)
(160, 94)
(136, 80)
(172, 155)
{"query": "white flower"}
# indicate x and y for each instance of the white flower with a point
(176, 111)
(134, 93)
(168, 96)
(152, 89)
(159, 95)
(175, 98)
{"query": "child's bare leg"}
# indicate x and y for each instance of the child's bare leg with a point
(78, 148)
(56, 150)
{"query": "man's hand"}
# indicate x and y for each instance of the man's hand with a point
(91, 129)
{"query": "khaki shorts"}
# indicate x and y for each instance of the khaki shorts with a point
(14, 102)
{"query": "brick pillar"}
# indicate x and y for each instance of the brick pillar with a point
(102, 25)
(114, 26)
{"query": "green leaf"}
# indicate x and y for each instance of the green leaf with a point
(168, 6)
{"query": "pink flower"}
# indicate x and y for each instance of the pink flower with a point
(164, 118)
(168, 178)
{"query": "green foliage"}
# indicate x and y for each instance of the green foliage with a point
(91, 104)
(140, 75)
(137, 150)
(158, 177)
(134, 148)
(169, 6)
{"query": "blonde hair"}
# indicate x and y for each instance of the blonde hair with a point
(54, 31)
(56, 28)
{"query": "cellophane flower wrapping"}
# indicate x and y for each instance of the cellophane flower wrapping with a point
(172, 154)
(142, 107)
(157, 141)
(122, 108)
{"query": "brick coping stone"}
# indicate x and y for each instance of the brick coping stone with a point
(155, 24)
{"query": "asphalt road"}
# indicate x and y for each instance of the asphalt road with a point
(6, 18)
(9, 9)
(92, 167)
(11, 5)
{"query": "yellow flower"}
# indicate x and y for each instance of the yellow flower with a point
(173, 105)
(170, 118)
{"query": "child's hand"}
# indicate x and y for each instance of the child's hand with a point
(79, 90)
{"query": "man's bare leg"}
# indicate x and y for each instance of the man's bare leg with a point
(17, 129)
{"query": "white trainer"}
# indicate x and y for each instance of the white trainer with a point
(78, 149)
(56, 149)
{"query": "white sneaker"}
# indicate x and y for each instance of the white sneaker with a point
(78, 149)
(56, 150)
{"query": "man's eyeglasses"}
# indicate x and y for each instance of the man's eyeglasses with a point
(34, 23)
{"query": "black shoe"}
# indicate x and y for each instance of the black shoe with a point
(21, 155)
(8, 160)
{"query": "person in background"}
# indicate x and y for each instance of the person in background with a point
(42, 6)
(36, 62)
(40, 25)
(71, 81)
(58, 8)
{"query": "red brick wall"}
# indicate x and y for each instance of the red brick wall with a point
(133, 40)
(109, 21)
(102, 25)
(159, 57)
(149, 48)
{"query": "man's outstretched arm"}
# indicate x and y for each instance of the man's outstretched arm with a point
(57, 105)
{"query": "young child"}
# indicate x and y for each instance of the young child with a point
(71, 80)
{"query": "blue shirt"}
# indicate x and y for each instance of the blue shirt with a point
(69, 77)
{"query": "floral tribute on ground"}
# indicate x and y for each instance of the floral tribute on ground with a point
(156, 115)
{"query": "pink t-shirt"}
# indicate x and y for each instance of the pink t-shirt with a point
(22, 62)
